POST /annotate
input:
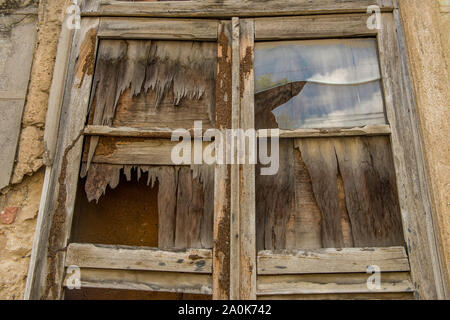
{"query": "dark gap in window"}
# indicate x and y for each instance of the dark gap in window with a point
(119, 294)
(126, 215)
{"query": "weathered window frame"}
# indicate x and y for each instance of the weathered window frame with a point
(236, 203)
(61, 178)
(423, 250)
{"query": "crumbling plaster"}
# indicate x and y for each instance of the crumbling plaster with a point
(426, 26)
(24, 191)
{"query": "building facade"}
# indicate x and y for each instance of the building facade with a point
(45, 65)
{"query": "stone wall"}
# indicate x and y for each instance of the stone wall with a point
(20, 200)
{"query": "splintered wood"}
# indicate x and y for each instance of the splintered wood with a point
(152, 84)
(185, 199)
(329, 193)
(184, 68)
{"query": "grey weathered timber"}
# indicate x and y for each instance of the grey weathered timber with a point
(355, 178)
(247, 227)
(138, 258)
(227, 8)
(343, 296)
(136, 151)
(414, 194)
(93, 130)
(346, 260)
(222, 172)
(58, 196)
(376, 130)
(234, 220)
(144, 281)
(16, 55)
(320, 26)
(139, 28)
(57, 93)
(332, 283)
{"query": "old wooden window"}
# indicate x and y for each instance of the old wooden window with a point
(350, 191)
(129, 201)
(331, 191)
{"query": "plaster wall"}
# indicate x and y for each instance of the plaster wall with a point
(427, 31)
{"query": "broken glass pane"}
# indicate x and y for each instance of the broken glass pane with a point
(317, 84)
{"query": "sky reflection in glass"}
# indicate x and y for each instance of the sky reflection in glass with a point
(340, 79)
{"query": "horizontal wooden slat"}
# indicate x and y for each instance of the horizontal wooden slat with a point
(164, 133)
(320, 26)
(144, 281)
(138, 258)
(228, 8)
(161, 133)
(347, 260)
(376, 130)
(12, 94)
(137, 151)
(331, 283)
(177, 29)
(343, 296)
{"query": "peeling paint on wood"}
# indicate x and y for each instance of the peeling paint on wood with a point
(222, 186)
(330, 193)
(183, 69)
(354, 184)
(86, 56)
(185, 199)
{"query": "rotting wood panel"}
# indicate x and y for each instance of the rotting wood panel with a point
(124, 294)
(190, 210)
(347, 260)
(138, 258)
(246, 216)
(153, 83)
(343, 296)
(146, 281)
(140, 111)
(275, 202)
(307, 223)
(331, 193)
(332, 283)
(159, 133)
(313, 27)
(353, 181)
(234, 181)
(158, 29)
(227, 8)
(222, 183)
(185, 68)
(185, 199)
(372, 130)
(135, 151)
